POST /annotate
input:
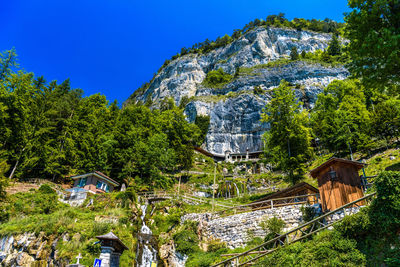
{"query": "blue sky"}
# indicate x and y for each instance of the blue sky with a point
(114, 46)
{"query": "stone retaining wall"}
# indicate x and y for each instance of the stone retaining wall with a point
(237, 229)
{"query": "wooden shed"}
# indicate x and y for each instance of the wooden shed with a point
(339, 182)
(297, 194)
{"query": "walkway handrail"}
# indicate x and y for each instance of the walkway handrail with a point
(271, 202)
(189, 197)
(313, 223)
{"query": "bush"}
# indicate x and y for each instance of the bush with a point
(186, 239)
(46, 189)
(273, 225)
(308, 213)
(328, 248)
(216, 245)
(294, 55)
(217, 78)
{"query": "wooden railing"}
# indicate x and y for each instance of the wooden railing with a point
(166, 195)
(272, 203)
(320, 223)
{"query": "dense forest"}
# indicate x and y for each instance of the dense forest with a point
(49, 130)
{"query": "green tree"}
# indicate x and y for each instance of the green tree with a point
(340, 117)
(373, 28)
(287, 143)
(202, 122)
(294, 55)
(386, 119)
(3, 180)
(334, 48)
(217, 78)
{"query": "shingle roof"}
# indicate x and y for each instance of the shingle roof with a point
(111, 236)
(99, 174)
(329, 162)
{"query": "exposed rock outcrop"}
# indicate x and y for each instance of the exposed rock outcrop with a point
(235, 109)
(28, 248)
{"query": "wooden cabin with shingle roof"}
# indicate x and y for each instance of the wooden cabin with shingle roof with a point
(339, 182)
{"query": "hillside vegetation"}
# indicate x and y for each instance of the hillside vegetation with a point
(49, 130)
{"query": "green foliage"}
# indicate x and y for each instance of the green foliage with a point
(375, 228)
(50, 131)
(3, 180)
(340, 117)
(287, 143)
(36, 212)
(308, 213)
(217, 78)
(273, 225)
(294, 55)
(373, 30)
(386, 206)
(186, 239)
(203, 122)
(46, 189)
(334, 48)
(386, 118)
(328, 248)
(215, 245)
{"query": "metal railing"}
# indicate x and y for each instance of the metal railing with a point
(320, 223)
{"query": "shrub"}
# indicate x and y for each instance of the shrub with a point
(385, 209)
(273, 225)
(216, 245)
(308, 213)
(186, 239)
(46, 189)
(294, 55)
(217, 78)
(328, 248)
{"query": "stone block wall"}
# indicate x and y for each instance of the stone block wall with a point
(237, 229)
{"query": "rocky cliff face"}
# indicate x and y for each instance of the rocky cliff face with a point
(29, 249)
(235, 110)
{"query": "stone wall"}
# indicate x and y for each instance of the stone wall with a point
(235, 229)
(238, 229)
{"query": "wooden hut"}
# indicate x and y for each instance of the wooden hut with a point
(297, 194)
(339, 182)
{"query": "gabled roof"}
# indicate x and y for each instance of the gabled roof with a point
(326, 164)
(207, 153)
(111, 236)
(97, 174)
(284, 192)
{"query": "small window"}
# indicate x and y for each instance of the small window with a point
(82, 182)
(102, 186)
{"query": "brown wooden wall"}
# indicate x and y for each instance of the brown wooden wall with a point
(344, 189)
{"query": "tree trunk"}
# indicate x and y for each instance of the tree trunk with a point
(13, 170)
(16, 164)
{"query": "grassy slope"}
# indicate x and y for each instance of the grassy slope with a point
(37, 212)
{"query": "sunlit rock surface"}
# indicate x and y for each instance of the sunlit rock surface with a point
(234, 109)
